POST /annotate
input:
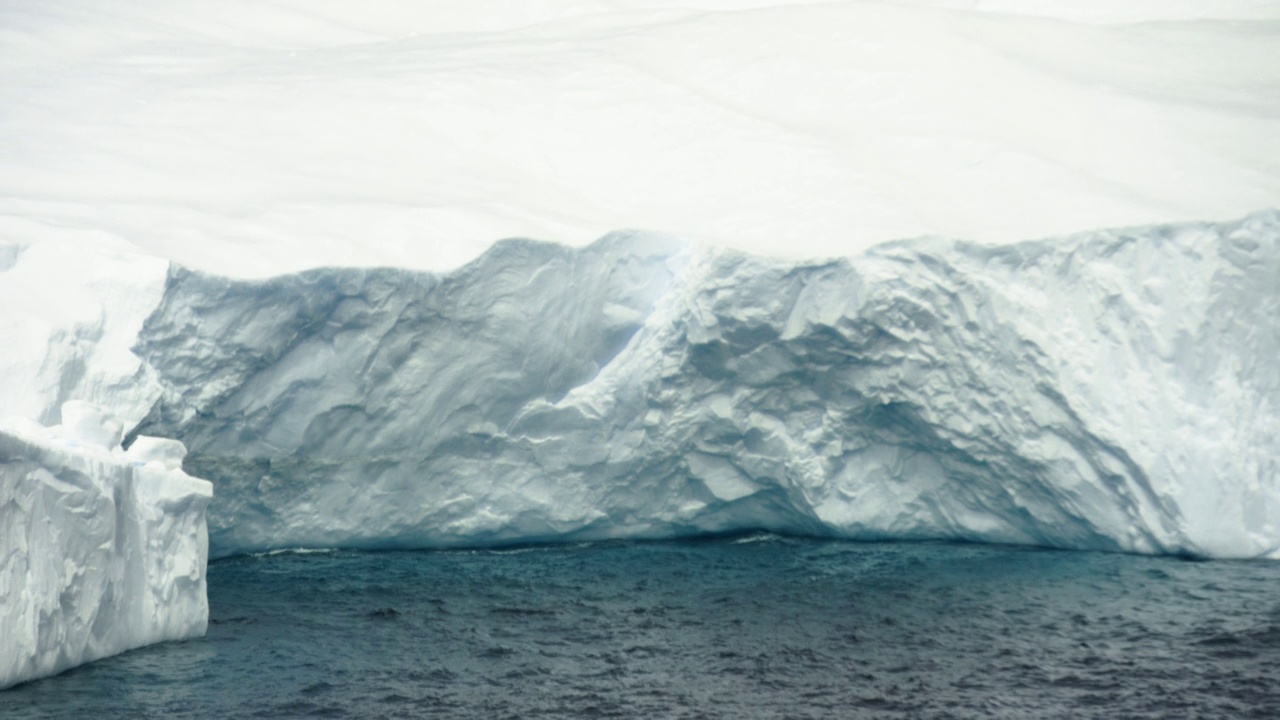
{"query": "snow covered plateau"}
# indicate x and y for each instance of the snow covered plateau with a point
(251, 138)
(265, 232)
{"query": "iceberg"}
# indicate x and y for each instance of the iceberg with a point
(1113, 390)
(101, 551)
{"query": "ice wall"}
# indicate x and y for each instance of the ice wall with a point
(1114, 390)
(101, 551)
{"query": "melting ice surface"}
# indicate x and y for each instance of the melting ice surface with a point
(748, 627)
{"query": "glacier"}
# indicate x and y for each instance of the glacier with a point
(101, 550)
(1113, 390)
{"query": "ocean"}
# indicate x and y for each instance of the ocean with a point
(756, 626)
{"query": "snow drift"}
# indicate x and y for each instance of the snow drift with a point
(100, 551)
(1115, 390)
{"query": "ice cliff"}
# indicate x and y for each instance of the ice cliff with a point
(101, 551)
(1115, 390)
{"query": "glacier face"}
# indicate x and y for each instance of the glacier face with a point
(1115, 390)
(103, 551)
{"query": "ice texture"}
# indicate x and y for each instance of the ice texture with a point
(101, 551)
(1114, 390)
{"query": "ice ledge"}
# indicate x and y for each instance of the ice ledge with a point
(101, 551)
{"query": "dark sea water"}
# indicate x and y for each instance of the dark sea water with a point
(757, 626)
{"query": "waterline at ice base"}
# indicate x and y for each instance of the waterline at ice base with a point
(101, 550)
(1115, 390)
(251, 298)
(1112, 391)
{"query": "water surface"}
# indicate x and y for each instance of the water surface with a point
(756, 626)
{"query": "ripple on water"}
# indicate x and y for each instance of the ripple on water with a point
(743, 627)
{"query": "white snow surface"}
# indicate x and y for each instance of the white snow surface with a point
(101, 551)
(251, 138)
(1114, 390)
